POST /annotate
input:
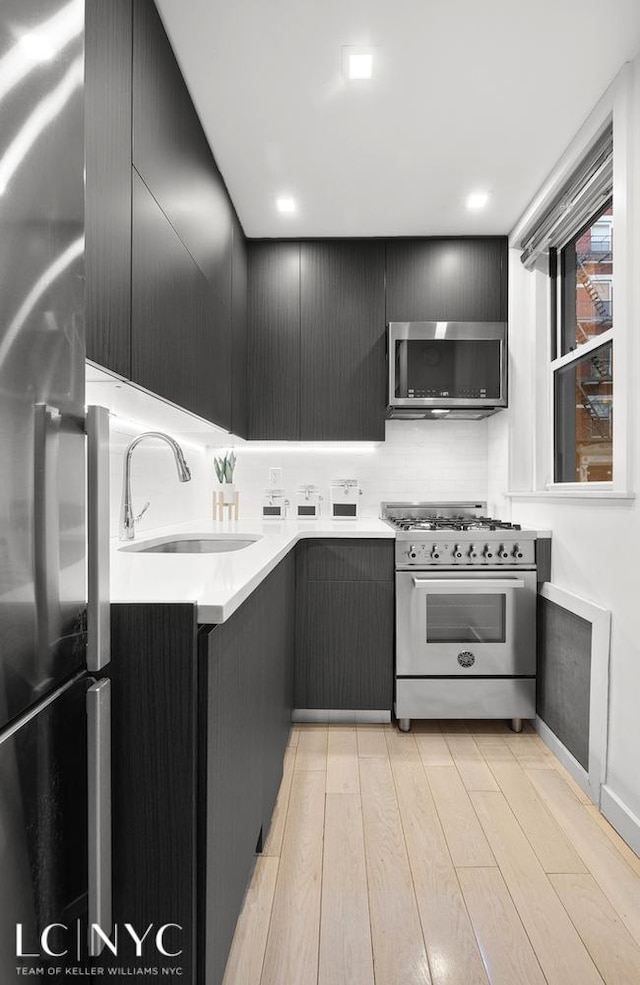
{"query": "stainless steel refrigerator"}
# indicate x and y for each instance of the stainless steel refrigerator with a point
(54, 699)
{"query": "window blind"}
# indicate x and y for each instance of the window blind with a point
(587, 190)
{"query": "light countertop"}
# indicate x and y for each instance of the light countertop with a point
(219, 583)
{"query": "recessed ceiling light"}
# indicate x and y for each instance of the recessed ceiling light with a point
(357, 62)
(286, 204)
(360, 66)
(477, 200)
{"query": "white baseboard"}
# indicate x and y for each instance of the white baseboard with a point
(570, 763)
(332, 716)
(623, 820)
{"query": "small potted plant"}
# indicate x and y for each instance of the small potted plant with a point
(224, 467)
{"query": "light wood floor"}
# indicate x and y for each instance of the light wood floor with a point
(458, 854)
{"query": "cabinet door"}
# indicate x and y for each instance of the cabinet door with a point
(108, 183)
(180, 338)
(274, 340)
(155, 762)
(344, 645)
(344, 625)
(279, 628)
(239, 328)
(342, 359)
(447, 280)
(234, 777)
(171, 153)
(249, 665)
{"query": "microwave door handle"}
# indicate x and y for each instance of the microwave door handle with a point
(464, 585)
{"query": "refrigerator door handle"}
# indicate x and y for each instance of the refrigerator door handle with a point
(47, 421)
(99, 793)
(98, 615)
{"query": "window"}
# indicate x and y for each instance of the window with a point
(582, 370)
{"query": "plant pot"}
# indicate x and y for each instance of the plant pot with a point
(228, 492)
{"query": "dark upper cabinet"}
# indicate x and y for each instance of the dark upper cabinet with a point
(274, 340)
(171, 152)
(342, 340)
(447, 279)
(180, 330)
(317, 324)
(108, 43)
(239, 330)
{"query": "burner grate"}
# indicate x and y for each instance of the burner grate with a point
(452, 523)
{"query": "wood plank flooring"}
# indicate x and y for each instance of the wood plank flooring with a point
(457, 854)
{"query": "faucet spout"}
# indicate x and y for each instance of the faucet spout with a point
(127, 518)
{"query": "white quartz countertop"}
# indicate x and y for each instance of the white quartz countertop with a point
(219, 583)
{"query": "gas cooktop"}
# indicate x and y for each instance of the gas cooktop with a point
(456, 535)
(451, 523)
(442, 516)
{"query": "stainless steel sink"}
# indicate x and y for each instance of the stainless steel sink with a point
(194, 544)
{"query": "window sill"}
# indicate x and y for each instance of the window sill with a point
(574, 494)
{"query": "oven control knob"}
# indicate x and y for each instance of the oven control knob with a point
(472, 551)
(488, 553)
(413, 552)
(517, 553)
(503, 553)
(435, 553)
(457, 553)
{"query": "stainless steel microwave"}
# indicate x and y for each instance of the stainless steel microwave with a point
(447, 369)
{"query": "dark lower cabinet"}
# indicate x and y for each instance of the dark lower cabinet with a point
(248, 665)
(344, 625)
(155, 773)
(201, 718)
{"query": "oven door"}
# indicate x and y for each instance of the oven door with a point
(477, 623)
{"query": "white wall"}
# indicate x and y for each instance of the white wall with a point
(419, 460)
(595, 541)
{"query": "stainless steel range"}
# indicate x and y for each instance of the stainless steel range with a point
(465, 613)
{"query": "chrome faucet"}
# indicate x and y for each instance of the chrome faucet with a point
(127, 519)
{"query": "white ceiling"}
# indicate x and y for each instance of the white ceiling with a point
(466, 95)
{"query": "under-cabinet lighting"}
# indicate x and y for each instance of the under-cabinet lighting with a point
(439, 413)
(127, 425)
(286, 204)
(477, 200)
(309, 447)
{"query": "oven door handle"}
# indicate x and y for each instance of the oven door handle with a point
(465, 585)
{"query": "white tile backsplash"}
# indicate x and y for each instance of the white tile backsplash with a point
(418, 460)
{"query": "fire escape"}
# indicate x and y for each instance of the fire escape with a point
(596, 402)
